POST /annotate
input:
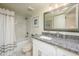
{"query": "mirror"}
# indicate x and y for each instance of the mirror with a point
(64, 18)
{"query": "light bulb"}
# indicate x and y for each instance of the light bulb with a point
(50, 8)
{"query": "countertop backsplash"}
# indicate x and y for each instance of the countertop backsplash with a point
(65, 36)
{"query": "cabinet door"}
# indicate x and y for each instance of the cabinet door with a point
(47, 49)
(44, 48)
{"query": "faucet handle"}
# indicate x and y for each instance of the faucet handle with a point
(60, 35)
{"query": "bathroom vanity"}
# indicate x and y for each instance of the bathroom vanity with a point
(43, 49)
(54, 47)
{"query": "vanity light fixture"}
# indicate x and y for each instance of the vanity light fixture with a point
(54, 5)
(51, 6)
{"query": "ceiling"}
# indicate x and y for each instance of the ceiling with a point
(25, 9)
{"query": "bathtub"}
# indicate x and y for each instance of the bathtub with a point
(18, 49)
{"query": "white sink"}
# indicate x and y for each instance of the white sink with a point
(45, 37)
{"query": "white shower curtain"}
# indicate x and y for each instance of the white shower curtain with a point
(7, 30)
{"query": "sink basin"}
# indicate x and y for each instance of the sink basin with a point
(45, 37)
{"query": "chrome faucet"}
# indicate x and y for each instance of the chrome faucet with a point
(60, 35)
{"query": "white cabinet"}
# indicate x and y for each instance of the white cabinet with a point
(41, 48)
(44, 49)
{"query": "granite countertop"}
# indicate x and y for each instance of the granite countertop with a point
(69, 44)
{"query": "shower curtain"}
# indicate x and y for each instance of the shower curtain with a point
(7, 30)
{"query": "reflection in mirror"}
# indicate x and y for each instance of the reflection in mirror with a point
(49, 22)
(63, 18)
(71, 19)
(59, 21)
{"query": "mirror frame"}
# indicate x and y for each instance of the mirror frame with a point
(63, 30)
